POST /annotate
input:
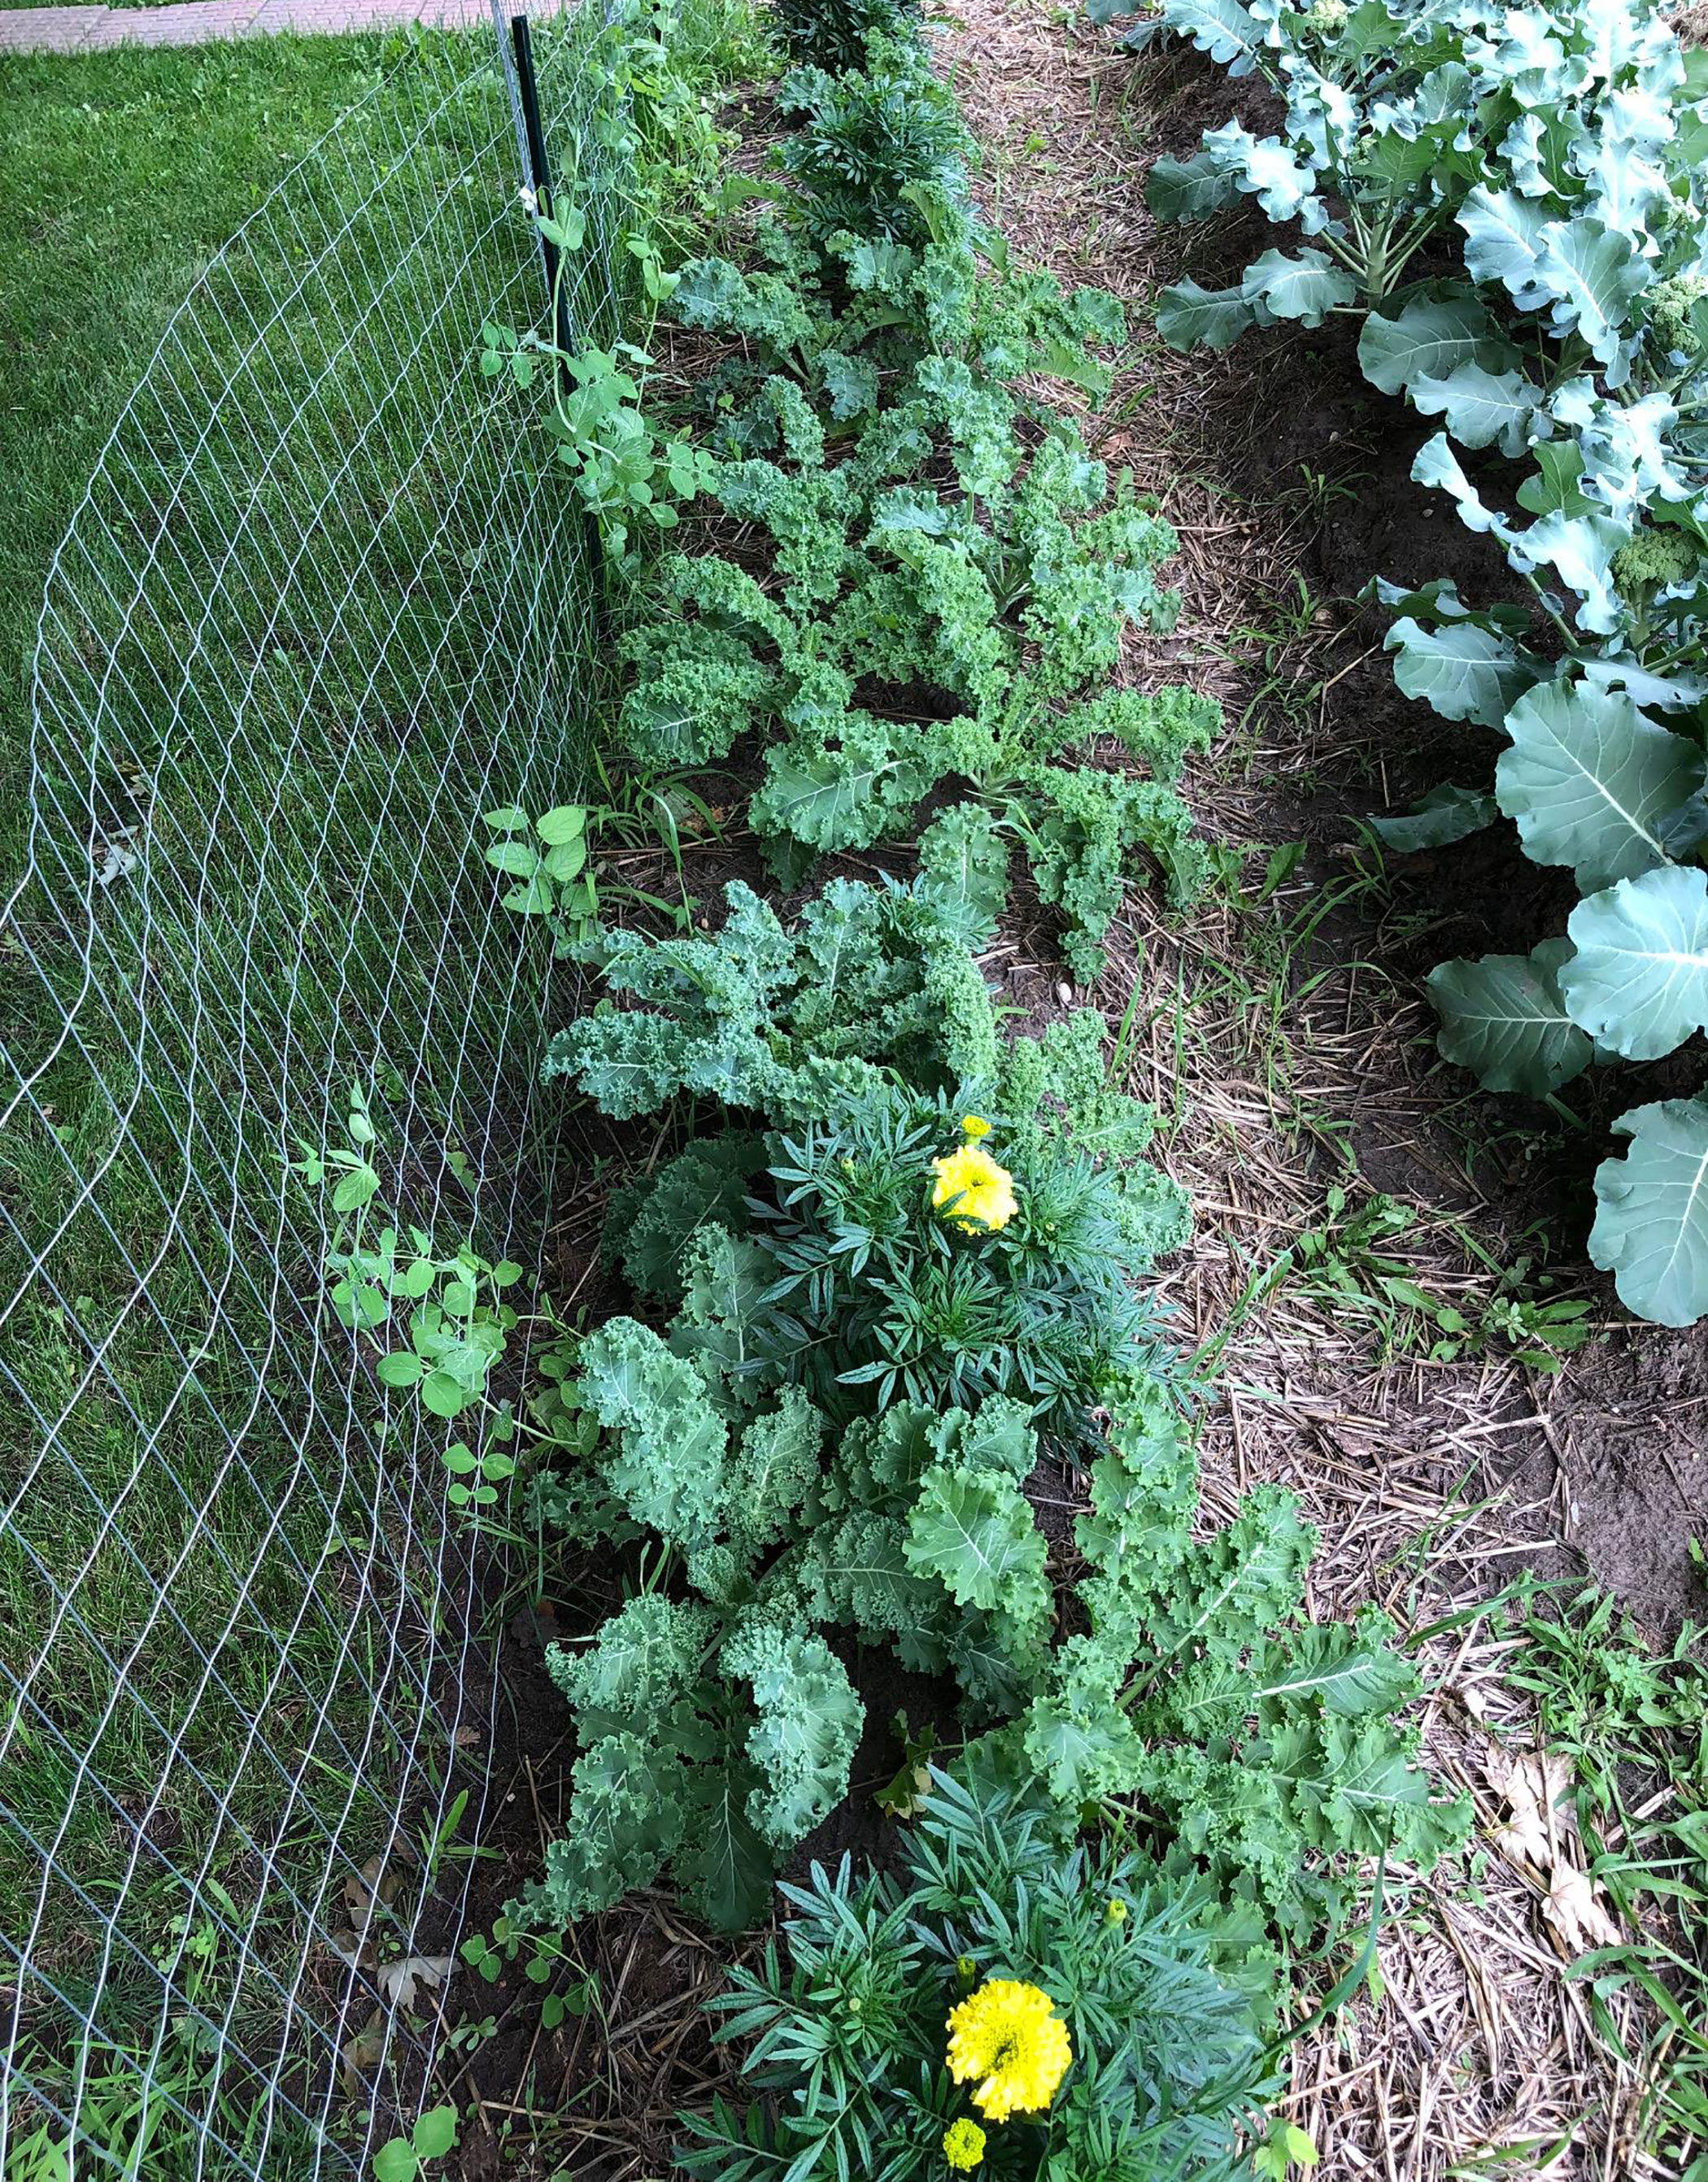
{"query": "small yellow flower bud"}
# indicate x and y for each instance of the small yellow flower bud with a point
(963, 2145)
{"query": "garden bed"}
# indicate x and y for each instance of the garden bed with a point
(1434, 1442)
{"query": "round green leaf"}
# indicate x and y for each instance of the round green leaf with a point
(515, 858)
(396, 2162)
(534, 899)
(567, 823)
(1651, 1218)
(355, 1190)
(442, 1394)
(435, 2132)
(401, 1368)
(566, 859)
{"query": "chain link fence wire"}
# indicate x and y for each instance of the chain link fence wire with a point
(315, 614)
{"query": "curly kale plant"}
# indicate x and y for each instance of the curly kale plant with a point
(1266, 1746)
(775, 1020)
(913, 637)
(717, 1727)
(844, 2026)
(946, 572)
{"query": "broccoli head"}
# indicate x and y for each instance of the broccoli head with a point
(1655, 560)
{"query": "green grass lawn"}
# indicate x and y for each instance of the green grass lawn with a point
(223, 1647)
(121, 174)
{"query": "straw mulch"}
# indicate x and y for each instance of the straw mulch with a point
(1479, 2051)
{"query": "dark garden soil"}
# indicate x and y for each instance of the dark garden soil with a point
(1280, 1031)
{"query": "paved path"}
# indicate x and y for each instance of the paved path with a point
(193, 22)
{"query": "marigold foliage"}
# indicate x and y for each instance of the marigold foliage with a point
(842, 2026)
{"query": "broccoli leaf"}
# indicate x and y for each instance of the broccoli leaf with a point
(1503, 1019)
(1651, 1219)
(1593, 783)
(1638, 978)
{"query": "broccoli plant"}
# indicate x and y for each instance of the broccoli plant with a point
(1563, 161)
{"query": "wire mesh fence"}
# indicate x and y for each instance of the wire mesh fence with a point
(312, 618)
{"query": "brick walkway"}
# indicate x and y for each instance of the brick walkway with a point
(193, 22)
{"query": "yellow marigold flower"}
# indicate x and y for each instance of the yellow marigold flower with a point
(974, 1125)
(963, 2145)
(1008, 2042)
(971, 1187)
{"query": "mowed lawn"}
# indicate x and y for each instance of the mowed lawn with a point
(120, 173)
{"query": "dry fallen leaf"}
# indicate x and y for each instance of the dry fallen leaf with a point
(397, 1981)
(364, 2053)
(1541, 1837)
(1532, 1787)
(1574, 1909)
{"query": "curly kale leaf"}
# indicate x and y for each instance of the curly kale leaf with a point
(653, 1220)
(850, 384)
(725, 1870)
(643, 1664)
(1057, 1087)
(774, 1468)
(693, 709)
(724, 1280)
(659, 1782)
(1161, 727)
(808, 1729)
(626, 1823)
(767, 310)
(665, 1456)
(1079, 824)
(973, 1531)
(845, 788)
(855, 1570)
(805, 511)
